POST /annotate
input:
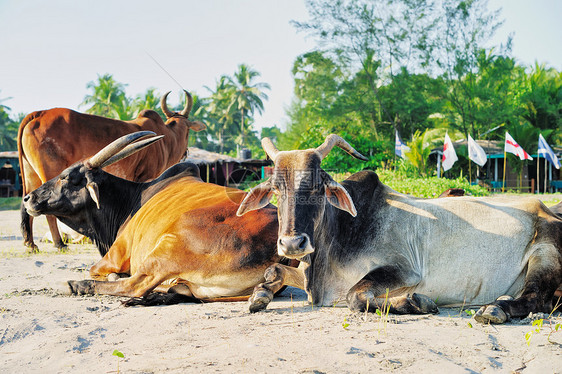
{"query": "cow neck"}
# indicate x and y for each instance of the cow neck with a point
(119, 198)
(325, 243)
(338, 236)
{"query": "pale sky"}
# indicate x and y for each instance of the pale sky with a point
(51, 49)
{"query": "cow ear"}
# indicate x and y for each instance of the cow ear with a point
(257, 198)
(94, 192)
(197, 126)
(338, 197)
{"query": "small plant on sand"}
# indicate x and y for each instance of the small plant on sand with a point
(383, 313)
(538, 324)
(345, 324)
(119, 356)
(471, 314)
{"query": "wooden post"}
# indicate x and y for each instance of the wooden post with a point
(545, 175)
(504, 164)
(538, 164)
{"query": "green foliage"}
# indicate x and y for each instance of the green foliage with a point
(229, 110)
(10, 203)
(427, 187)
(411, 66)
(8, 129)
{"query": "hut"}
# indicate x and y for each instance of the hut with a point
(225, 170)
(10, 180)
(491, 173)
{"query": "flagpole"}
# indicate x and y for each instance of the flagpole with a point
(504, 164)
(538, 164)
(545, 175)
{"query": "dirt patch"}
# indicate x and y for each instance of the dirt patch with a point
(44, 331)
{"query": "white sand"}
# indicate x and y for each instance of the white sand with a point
(43, 332)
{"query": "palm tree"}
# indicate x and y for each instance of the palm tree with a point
(149, 100)
(219, 116)
(2, 106)
(8, 129)
(107, 97)
(246, 95)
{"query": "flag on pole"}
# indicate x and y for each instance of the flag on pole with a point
(400, 148)
(547, 152)
(475, 152)
(449, 154)
(511, 146)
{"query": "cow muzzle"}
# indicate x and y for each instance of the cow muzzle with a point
(28, 205)
(295, 246)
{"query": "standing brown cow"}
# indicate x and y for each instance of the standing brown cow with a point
(51, 140)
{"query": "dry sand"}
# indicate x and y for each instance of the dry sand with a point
(44, 332)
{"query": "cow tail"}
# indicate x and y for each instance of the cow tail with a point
(158, 298)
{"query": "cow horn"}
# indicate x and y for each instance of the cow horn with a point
(130, 149)
(164, 106)
(111, 149)
(269, 148)
(188, 104)
(333, 140)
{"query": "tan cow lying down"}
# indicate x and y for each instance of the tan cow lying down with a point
(188, 230)
(358, 239)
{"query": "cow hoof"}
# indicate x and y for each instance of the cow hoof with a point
(490, 314)
(62, 247)
(425, 304)
(32, 248)
(63, 288)
(260, 300)
(85, 287)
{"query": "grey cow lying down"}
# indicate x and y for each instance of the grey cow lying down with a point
(360, 238)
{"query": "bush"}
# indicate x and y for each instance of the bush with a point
(427, 187)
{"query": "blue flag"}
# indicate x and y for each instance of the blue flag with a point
(400, 148)
(547, 152)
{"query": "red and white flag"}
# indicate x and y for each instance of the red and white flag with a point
(449, 154)
(511, 146)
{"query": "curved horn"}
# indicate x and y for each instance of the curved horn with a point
(188, 104)
(333, 140)
(130, 149)
(269, 148)
(113, 148)
(164, 106)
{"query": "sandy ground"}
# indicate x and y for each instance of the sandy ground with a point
(44, 332)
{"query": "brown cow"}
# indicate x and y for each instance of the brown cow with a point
(188, 230)
(51, 140)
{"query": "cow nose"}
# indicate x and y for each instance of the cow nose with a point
(294, 246)
(26, 198)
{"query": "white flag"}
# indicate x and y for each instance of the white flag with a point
(511, 146)
(449, 154)
(475, 152)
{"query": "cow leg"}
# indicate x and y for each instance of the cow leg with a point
(370, 293)
(276, 276)
(116, 261)
(137, 285)
(57, 240)
(544, 275)
(27, 230)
